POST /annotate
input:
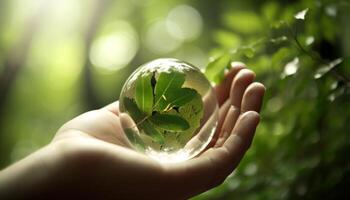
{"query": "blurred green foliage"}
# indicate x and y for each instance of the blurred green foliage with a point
(61, 58)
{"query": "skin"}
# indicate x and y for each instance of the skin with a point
(89, 158)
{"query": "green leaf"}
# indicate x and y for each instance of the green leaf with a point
(301, 15)
(150, 130)
(141, 119)
(279, 40)
(169, 122)
(134, 138)
(167, 83)
(270, 10)
(177, 98)
(249, 52)
(181, 96)
(216, 68)
(134, 112)
(227, 39)
(144, 93)
(327, 68)
(244, 22)
(192, 112)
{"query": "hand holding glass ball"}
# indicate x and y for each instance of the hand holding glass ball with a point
(168, 112)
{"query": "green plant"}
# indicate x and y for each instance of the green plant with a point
(302, 58)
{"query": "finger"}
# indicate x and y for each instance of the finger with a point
(223, 88)
(229, 123)
(127, 123)
(252, 98)
(113, 107)
(239, 85)
(213, 166)
(232, 151)
(208, 105)
(244, 130)
(222, 114)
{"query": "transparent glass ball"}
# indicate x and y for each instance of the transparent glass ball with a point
(171, 108)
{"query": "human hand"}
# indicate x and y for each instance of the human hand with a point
(90, 155)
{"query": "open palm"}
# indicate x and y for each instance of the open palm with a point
(96, 160)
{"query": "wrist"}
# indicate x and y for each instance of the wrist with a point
(30, 177)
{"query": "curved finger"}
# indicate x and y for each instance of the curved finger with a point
(229, 123)
(239, 85)
(213, 166)
(222, 90)
(222, 114)
(253, 97)
(127, 124)
(113, 107)
(230, 154)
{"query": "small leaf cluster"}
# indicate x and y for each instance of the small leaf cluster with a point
(158, 104)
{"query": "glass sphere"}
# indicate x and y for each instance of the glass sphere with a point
(172, 110)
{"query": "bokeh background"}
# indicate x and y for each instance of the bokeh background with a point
(61, 58)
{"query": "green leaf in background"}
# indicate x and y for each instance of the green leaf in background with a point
(150, 130)
(134, 112)
(134, 138)
(249, 52)
(301, 15)
(144, 93)
(216, 68)
(327, 68)
(227, 39)
(167, 83)
(245, 22)
(169, 122)
(270, 10)
(279, 40)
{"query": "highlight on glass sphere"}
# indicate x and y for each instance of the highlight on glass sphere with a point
(171, 108)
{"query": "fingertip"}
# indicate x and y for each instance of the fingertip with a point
(237, 64)
(257, 88)
(126, 121)
(235, 68)
(223, 88)
(259, 85)
(252, 116)
(253, 96)
(245, 75)
(239, 86)
(260, 88)
(247, 123)
(245, 130)
(248, 72)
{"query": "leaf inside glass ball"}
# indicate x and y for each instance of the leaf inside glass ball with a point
(173, 110)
